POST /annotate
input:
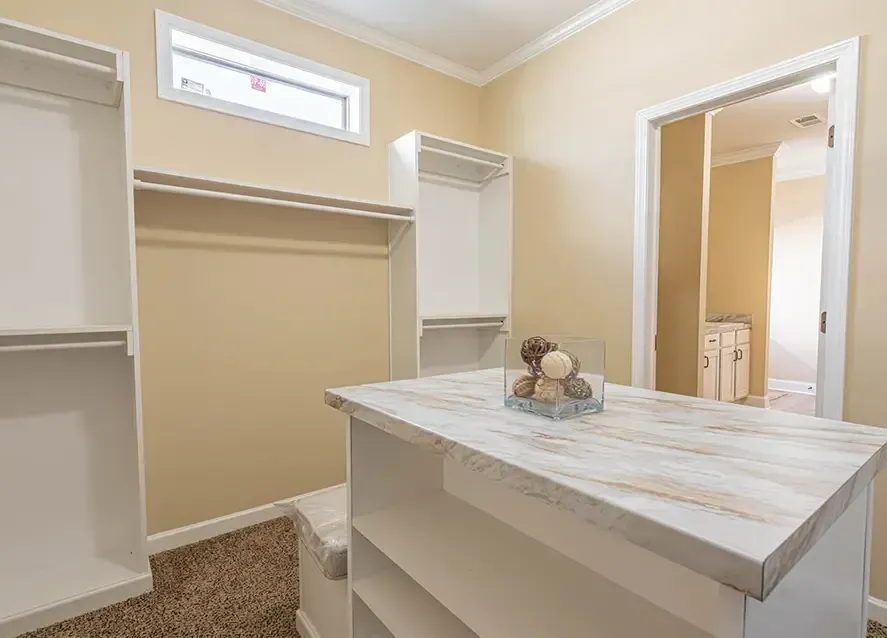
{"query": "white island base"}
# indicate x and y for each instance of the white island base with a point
(438, 551)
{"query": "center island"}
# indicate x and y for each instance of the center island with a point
(663, 516)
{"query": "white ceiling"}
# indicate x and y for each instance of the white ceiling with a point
(474, 40)
(764, 121)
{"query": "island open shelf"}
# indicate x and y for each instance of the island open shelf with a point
(402, 605)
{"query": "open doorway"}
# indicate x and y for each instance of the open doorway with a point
(841, 61)
(767, 199)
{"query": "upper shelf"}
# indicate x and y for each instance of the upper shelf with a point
(66, 338)
(44, 61)
(67, 330)
(171, 182)
(440, 156)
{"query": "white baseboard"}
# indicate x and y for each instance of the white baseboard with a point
(799, 387)
(208, 529)
(756, 402)
(304, 626)
(877, 610)
(97, 599)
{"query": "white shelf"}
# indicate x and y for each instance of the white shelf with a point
(484, 571)
(406, 609)
(43, 61)
(67, 338)
(28, 587)
(65, 330)
(366, 624)
(439, 156)
(179, 183)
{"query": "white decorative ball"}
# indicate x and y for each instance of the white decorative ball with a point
(557, 365)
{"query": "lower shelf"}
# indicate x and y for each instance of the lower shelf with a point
(406, 609)
(35, 590)
(501, 583)
(366, 624)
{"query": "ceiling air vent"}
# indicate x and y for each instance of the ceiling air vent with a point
(806, 121)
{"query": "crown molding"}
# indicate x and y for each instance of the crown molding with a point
(373, 37)
(746, 154)
(339, 23)
(800, 161)
(571, 27)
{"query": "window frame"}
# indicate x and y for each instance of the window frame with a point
(165, 23)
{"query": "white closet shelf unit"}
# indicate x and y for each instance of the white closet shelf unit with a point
(450, 272)
(151, 179)
(73, 534)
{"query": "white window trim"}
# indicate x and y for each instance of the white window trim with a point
(165, 22)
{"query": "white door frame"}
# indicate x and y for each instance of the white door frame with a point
(842, 58)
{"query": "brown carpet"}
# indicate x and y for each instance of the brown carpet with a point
(240, 585)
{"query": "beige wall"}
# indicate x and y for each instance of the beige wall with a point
(249, 313)
(796, 277)
(739, 243)
(569, 117)
(683, 230)
(403, 96)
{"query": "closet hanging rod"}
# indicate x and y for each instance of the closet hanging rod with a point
(466, 158)
(489, 324)
(92, 67)
(37, 347)
(252, 199)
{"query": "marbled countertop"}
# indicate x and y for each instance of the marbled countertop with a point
(735, 493)
(716, 327)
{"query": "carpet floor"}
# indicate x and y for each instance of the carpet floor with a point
(240, 585)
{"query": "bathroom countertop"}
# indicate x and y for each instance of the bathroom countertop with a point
(712, 327)
(735, 493)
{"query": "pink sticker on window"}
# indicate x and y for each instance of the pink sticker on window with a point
(258, 83)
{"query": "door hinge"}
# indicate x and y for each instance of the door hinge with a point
(831, 136)
(823, 322)
(656, 342)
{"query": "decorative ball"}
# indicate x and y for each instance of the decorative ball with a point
(557, 365)
(577, 388)
(549, 390)
(532, 350)
(577, 364)
(524, 387)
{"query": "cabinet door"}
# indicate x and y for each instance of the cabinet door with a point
(711, 362)
(725, 383)
(742, 370)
